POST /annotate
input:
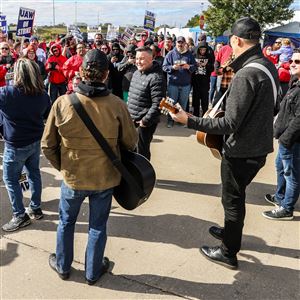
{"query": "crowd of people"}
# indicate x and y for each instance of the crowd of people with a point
(120, 87)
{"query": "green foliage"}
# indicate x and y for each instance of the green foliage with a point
(194, 21)
(221, 14)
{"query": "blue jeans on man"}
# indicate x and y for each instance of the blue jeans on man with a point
(180, 94)
(288, 176)
(69, 207)
(14, 159)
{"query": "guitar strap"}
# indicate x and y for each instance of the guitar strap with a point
(268, 73)
(217, 106)
(104, 145)
(257, 66)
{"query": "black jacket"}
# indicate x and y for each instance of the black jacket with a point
(287, 125)
(145, 93)
(126, 69)
(248, 119)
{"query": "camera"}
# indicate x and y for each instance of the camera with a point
(52, 65)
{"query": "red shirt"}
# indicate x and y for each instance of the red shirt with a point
(224, 54)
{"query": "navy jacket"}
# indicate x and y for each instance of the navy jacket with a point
(181, 77)
(22, 116)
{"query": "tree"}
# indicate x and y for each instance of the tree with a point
(194, 21)
(221, 14)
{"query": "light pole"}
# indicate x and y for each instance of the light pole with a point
(53, 9)
(75, 12)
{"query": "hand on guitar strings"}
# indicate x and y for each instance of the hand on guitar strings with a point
(181, 116)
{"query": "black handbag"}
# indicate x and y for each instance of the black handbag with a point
(138, 175)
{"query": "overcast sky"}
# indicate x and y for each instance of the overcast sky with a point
(121, 12)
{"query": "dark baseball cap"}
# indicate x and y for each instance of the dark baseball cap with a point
(181, 39)
(95, 58)
(245, 28)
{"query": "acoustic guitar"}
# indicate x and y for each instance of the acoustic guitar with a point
(167, 105)
(213, 141)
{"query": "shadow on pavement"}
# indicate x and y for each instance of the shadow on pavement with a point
(9, 254)
(251, 277)
(255, 191)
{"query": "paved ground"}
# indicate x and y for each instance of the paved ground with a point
(155, 249)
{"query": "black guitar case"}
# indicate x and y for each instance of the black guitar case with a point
(138, 175)
(143, 173)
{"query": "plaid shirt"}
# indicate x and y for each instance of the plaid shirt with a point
(227, 73)
(227, 77)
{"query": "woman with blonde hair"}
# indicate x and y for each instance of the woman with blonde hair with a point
(23, 108)
(285, 52)
(6, 62)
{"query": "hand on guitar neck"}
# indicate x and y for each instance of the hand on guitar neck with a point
(175, 111)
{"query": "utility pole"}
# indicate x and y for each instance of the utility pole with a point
(75, 12)
(53, 9)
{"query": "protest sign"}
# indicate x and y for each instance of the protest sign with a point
(3, 24)
(127, 35)
(92, 30)
(149, 21)
(112, 32)
(25, 22)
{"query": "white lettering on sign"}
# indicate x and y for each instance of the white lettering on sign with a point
(23, 31)
(26, 14)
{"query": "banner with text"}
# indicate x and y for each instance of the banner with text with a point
(3, 24)
(127, 35)
(112, 32)
(25, 22)
(149, 21)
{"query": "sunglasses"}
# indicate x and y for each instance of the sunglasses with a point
(180, 42)
(4, 48)
(55, 50)
(277, 42)
(295, 61)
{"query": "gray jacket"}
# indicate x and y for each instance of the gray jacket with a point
(249, 108)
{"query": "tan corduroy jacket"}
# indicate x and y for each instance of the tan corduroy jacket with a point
(70, 147)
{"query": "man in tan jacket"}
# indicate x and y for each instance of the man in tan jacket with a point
(86, 170)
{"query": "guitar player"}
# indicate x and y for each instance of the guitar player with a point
(248, 126)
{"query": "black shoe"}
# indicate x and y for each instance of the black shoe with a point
(216, 232)
(34, 213)
(16, 223)
(216, 255)
(271, 199)
(105, 267)
(53, 265)
(278, 213)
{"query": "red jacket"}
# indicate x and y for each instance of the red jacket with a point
(56, 76)
(71, 66)
(3, 72)
(284, 72)
(271, 58)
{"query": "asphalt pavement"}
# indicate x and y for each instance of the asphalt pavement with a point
(155, 248)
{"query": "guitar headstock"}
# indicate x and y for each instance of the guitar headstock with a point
(167, 105)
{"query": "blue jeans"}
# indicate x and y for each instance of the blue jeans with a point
(179, 94)
(288, 176)
(69, 206)
(14, 159)
(213, 87)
